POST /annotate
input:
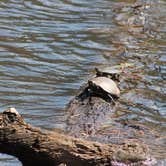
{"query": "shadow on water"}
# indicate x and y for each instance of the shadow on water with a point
(48, 48)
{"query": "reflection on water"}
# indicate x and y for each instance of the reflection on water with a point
(49, 47)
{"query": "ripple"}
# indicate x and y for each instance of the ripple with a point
(48, 48)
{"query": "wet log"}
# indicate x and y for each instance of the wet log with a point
(85, 119)
(35, 147)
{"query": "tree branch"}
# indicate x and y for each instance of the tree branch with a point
(35, 147)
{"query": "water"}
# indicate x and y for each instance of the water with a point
(48, 48)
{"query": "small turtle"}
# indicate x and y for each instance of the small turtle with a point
(103, 87)
(114, 74)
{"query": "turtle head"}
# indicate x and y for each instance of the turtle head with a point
(98, 72)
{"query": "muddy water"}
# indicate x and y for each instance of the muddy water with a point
(49, 47)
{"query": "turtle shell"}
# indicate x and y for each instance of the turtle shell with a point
(107, 85)
(117, 69)
(109, 70)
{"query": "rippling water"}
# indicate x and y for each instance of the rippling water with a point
(48, 48)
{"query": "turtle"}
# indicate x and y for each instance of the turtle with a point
(103, 87)
(112, 73)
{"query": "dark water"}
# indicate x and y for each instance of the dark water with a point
(48, 48)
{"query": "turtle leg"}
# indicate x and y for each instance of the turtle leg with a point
(111, 98)
(90, 92)
(82, 96)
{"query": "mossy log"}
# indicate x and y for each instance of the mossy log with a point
(35, 147)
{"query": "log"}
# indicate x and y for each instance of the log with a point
(35, 147)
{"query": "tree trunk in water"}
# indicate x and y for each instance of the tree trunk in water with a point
(35, 147)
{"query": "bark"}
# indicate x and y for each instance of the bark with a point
(35, 147)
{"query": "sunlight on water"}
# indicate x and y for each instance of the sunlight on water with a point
(48, 48)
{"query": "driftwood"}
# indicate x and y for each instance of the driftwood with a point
(35, 147)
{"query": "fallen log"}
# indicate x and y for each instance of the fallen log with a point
(35, 147)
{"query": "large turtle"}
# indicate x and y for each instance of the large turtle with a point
(103, 87)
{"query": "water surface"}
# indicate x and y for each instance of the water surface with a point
(48, 48)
